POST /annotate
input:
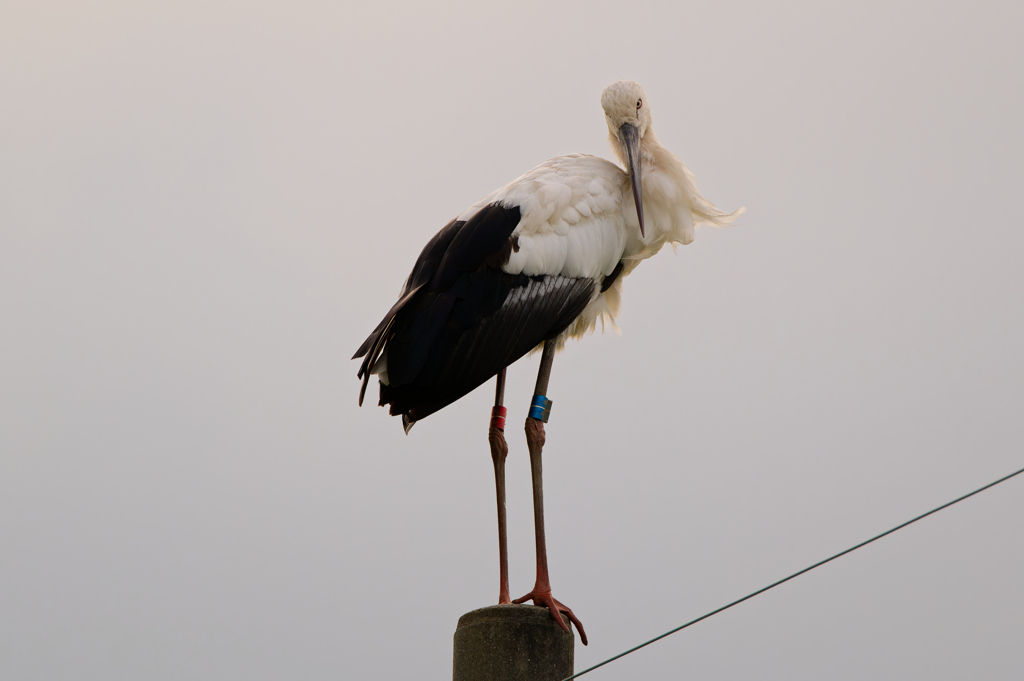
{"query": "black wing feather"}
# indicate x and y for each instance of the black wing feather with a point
(534, 309)
(460, 246)
(460, 318)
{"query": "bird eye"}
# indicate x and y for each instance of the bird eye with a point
(639, 103)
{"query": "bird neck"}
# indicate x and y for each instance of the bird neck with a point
(673, 203)
(655, 158)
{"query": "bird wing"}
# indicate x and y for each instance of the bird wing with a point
(461, 246)
(512, 271)
(450, 342)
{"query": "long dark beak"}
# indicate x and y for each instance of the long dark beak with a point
(630, 138)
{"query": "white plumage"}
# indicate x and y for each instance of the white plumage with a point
(535, 262)
(579, 217)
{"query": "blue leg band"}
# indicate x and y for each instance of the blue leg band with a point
(540, 408)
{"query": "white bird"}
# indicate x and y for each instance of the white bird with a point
(538, 261)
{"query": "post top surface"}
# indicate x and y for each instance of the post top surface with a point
(521, 614)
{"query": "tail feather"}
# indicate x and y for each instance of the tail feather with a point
(362, 388)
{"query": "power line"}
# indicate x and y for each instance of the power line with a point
(795, 574)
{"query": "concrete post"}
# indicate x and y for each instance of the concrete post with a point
(511, 643)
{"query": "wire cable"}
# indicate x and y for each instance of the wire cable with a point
(794, 575)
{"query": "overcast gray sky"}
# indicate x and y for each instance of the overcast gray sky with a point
(205, 207)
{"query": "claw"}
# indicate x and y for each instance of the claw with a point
(544, 599)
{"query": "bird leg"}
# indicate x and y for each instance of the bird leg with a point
(499, 450)
(541, 594)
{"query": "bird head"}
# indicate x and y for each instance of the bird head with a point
(628, 116)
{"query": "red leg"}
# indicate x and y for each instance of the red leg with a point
(541, 594)
(499, 450)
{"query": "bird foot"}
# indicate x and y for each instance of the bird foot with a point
(544, 599)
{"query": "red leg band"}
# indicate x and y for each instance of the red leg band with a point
(498, 418)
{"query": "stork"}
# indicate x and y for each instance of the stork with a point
(532, 264)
